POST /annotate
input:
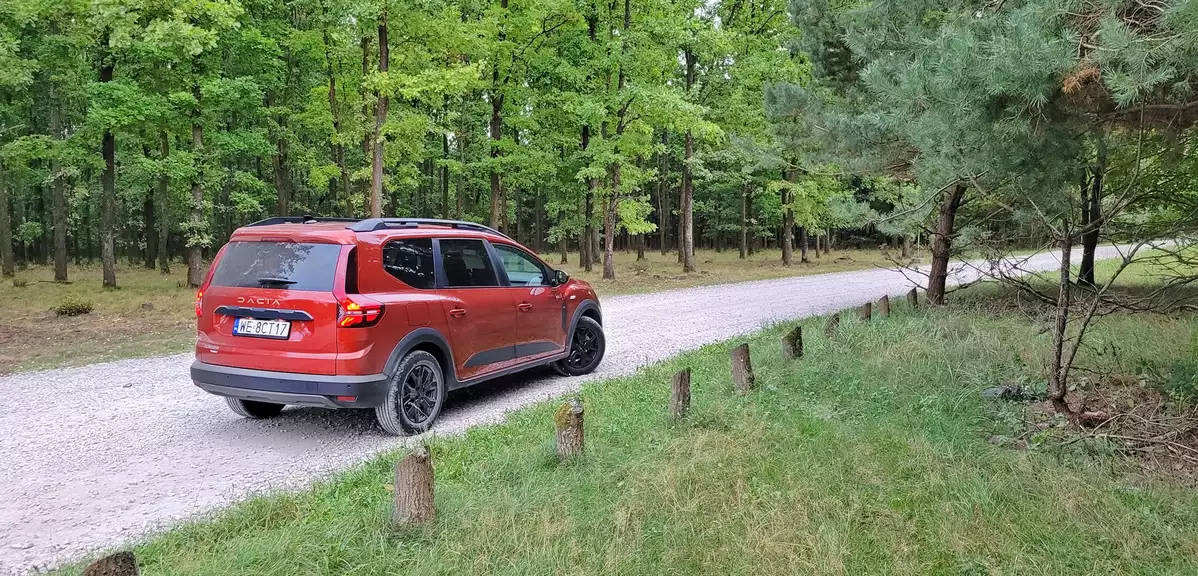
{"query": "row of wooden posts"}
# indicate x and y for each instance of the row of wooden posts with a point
(413, 498)
(414, 474)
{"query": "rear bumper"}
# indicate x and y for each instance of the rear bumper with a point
(288, 388)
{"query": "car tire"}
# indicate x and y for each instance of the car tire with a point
(587, 345)
(253, 409)
(420, 380)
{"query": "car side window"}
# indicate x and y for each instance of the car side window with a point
(521, 267)
(411, 261)
(467, 264)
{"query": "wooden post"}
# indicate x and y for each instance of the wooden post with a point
(119, 564)
(413, 489)
(792, 344)
(832, 325)
(568, 422)
(680, 394)
(867, 311)
(742, 370)
(884, 307)
(913, 298)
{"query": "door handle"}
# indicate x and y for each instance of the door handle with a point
(457, 312)
(524, 307)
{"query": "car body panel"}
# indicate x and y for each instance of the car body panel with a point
(504, 329)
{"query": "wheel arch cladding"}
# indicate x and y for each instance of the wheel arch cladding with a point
(428, 340)
(588, 308)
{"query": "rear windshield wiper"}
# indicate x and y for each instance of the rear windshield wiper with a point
(269, 281)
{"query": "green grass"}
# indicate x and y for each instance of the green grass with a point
(871, 455)
(32, 336)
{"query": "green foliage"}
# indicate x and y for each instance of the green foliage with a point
(73, 305)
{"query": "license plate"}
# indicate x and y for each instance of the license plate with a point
(280, 329)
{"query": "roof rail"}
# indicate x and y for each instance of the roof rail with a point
(373, 224)
(299, 220)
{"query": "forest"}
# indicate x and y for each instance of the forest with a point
(149, 130)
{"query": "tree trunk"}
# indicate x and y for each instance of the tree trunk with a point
(680, 394)
(445, 177)
(538, 221)
(884, 307)
(803, 245)
(688, 193)
(337, 149)
(564, 247)
(164, 223)
(609, 226)
(942, 244)
(107, 184)
(8, 267)
(149, 217)
(1058, 376)
(1092, 217)
(584, 245)
(828, 241)
(744, 222)
(866, 312)
(788, 223)
(368, 133)
(742, 369)
(792, 344)
(59, 194)
(568, 425)
(906, 246)
(380, 117)
(413, 503)
(495, 130)
(195, 250)
(663, 196)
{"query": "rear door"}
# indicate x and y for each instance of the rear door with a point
(481, 314)
(270, 306)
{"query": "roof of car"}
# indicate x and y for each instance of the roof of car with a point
(345, 231)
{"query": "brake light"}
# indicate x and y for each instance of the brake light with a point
(199, 303)
(359, 313)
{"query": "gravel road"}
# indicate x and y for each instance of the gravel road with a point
(97, 455)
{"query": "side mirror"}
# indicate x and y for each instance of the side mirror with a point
(560, 277)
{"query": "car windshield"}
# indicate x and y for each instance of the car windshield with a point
(278, 265)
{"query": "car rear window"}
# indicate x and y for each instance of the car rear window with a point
(278, 265)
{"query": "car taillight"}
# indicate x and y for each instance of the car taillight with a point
(359, 313)
(199, 303)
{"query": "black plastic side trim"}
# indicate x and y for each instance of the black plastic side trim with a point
(587, 304)
(263, 313)
(425, 335)
(534, 348)
(251, 384)
(491, 356)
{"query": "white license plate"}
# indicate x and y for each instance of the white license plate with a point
(280, 329)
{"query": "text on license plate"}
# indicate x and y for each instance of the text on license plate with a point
(280, 329)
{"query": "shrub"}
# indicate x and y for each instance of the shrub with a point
(71, 305)
(1182, 384)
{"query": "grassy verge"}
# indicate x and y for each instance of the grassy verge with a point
(871, 455)
(662, 272)
(122, 326)
(151, 314)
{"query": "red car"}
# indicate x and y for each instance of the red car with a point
(383, 313)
